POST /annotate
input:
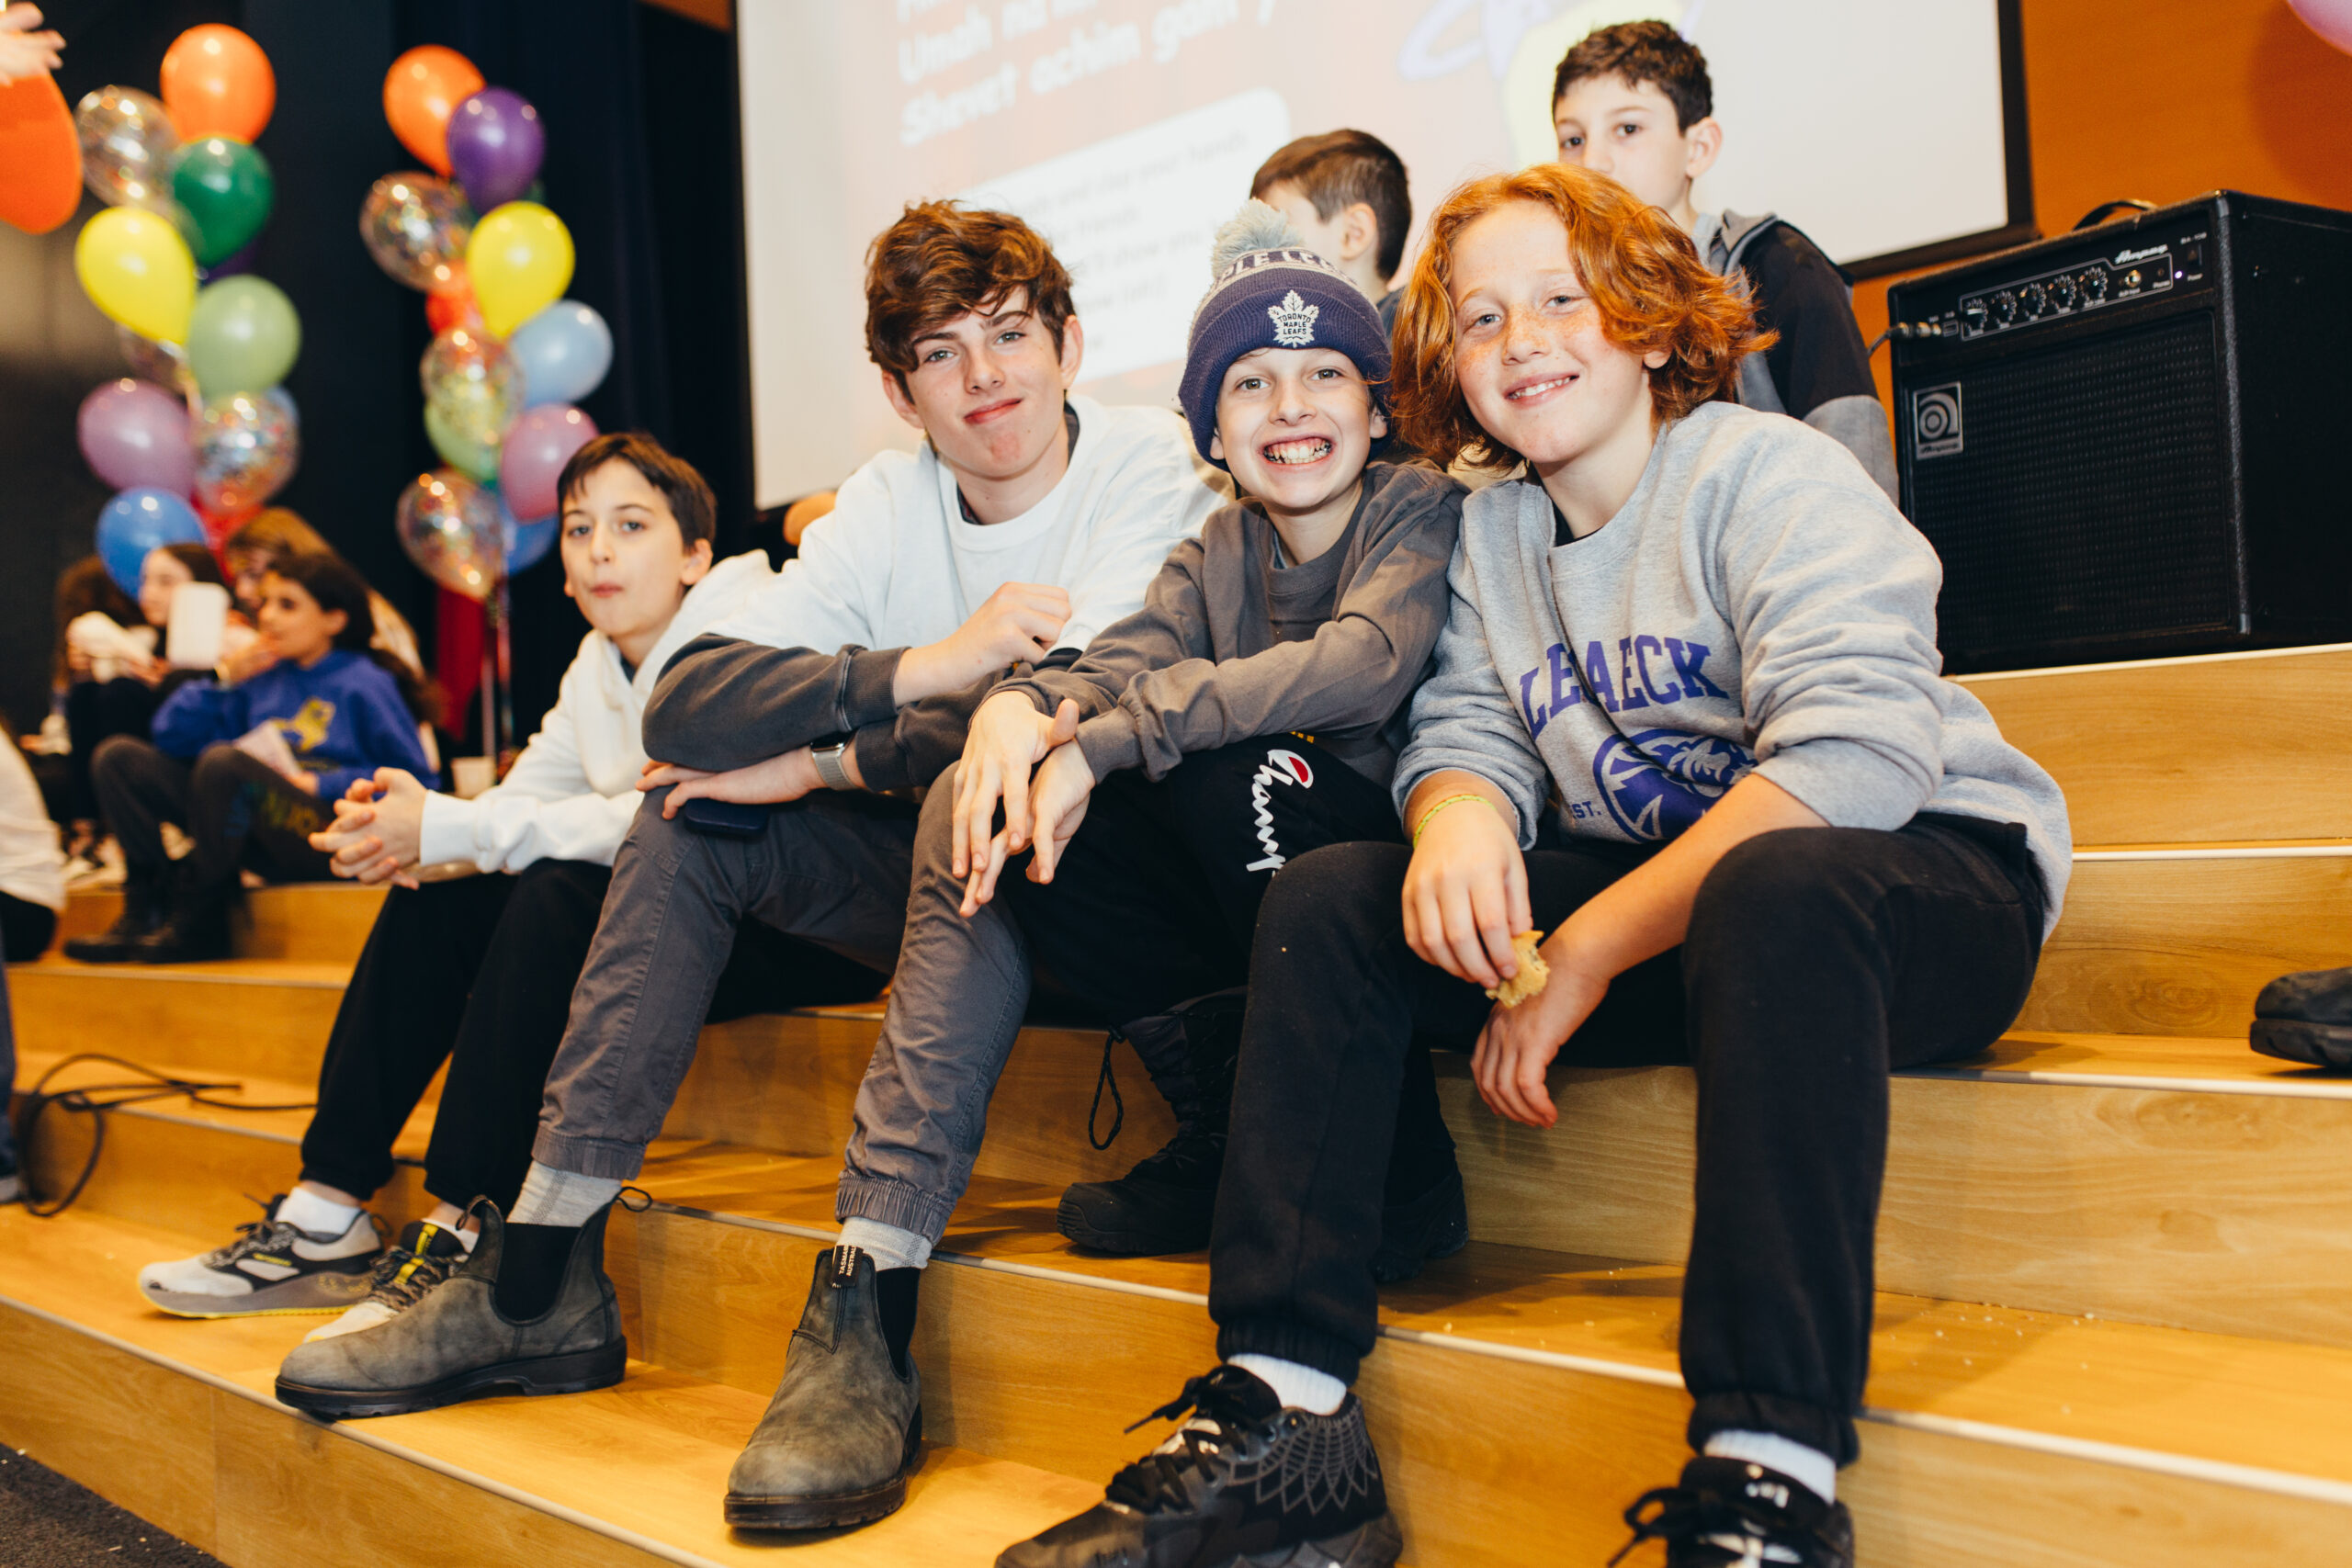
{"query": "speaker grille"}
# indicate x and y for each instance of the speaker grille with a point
(2089, 499)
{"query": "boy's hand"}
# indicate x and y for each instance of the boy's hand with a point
(1057, 799)
(1019, 622)
(1519, 1044)
(378, 828)
(1007, 738)
(249, 661)
(1465, 892)
(24, 50)
(779, 779)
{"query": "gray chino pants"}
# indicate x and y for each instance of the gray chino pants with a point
(830, 869)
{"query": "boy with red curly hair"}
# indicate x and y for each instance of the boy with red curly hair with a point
(1687, 718)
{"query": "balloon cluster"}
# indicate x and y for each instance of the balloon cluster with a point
(207, 434)
(510, 355)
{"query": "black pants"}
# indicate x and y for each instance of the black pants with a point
(1156, 899)
(239, 810)
(1816, 961)
(25, 927)
(96, 712)
(479, 970)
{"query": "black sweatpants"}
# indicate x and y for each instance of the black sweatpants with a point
(1816, 961)
(96, 712)
(239, 810)
(1155, 898)
(25, 927)
(479, 971)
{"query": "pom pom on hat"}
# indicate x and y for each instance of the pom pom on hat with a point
(1267, 290)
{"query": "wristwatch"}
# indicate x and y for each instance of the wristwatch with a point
(829, 765)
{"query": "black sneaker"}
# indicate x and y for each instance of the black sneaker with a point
(142, 911)
(2306, 1017)
(425, 1255)
(271, 1269)
(1245, 1478)
(1730, 1513)
(1435, 1224)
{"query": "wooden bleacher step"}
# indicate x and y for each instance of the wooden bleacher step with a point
(319, 921)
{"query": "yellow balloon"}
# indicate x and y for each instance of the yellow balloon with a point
(519, 261)
(136, 268)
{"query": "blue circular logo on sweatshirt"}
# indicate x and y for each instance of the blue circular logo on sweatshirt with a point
(1653, 797)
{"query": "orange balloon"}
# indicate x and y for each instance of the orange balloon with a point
(40, 159)
(217, 82)
(422, 89)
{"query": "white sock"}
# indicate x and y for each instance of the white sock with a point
(889, 1247)
(552, 1196)
(1300, 1387)
(320, 1216)
(1816, 1470)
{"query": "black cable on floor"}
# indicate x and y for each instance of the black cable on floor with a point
(95, 1100)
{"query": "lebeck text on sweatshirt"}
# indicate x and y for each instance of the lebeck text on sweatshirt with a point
(1757, 605)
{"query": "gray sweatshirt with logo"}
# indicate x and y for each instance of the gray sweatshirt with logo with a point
(1757, 605)
(1230, 646)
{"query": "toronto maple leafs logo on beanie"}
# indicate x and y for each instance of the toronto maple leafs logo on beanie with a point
(1268, 290)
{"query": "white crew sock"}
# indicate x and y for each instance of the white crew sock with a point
(320, 1216)
(1816, 1470)
(1300, 1387)
(552, 1196)
(889, 1247)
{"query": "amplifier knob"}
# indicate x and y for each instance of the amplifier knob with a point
(2036, 299)
(1974, 315)
(2062, 290)
(2095, 285)
(2004, 306)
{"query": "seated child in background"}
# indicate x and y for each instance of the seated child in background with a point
(1634, 102)
(245, 762)
(1687, 719)
(478, 970)
(1310, 607)
(1346, 192)
(276, 533)
(115, 663)
(32, 866)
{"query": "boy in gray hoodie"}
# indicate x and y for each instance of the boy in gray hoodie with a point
(1687, 720)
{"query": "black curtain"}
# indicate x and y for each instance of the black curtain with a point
(652, 201)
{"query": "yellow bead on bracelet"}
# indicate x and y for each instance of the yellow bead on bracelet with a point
(1422, 826)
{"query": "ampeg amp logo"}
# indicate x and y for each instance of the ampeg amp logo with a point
(1935, 421)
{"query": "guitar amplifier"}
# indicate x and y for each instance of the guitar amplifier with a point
(2123, 441)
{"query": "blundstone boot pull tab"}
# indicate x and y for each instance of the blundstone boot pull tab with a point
(845, 1266)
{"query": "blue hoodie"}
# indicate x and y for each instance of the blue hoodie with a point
(343, 717)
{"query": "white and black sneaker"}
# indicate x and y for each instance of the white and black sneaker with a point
(271, 1267)
(1246, 1479)
(1732, 1513)
(425, 1255)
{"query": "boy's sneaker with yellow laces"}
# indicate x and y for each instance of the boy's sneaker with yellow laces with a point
(274, 1266)
(425, 1255)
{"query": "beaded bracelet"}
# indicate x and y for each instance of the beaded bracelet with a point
(1422, 826)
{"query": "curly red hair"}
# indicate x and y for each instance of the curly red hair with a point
(1638, 268)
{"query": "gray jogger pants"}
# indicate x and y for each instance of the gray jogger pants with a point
(830, 869)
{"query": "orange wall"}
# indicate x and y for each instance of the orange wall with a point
(2167, 98)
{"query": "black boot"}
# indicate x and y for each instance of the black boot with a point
(196, 929)
(143, 904)
(1165, 1203)
(844, 1429)
(2306, 1017)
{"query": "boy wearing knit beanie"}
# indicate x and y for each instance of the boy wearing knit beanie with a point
(1179, 775)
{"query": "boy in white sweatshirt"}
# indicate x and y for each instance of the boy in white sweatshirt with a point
(478, 969)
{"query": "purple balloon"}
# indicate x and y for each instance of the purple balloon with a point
(495, 145)
(235, 264)
(531, 457)
(134, 436)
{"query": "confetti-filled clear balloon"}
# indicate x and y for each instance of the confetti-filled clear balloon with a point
(127, 145)
(450, 528)
(166, 364)
(246, 446)
(416, 227)
(474, 383)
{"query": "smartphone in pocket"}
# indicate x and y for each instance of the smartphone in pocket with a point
(724, 818)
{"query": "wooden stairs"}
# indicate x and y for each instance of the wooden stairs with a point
(2116, 1252)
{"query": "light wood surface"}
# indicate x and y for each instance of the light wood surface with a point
(265, 1018)
(316, 922)
(2190, 750)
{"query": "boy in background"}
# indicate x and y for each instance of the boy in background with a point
(1345, 193)
(1634, 102)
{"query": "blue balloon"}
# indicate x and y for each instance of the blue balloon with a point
(564, 352)
(526, 542)
(137, 521)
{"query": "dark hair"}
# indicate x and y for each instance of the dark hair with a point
(334, 586)
(81, 588)
(1637, 268)
(681, 484)
(942, 259)
(199, 561)
(1646, 54)
(1340, 168)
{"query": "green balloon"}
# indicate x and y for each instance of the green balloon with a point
(242, 337)
(225, 189)
(476, 461)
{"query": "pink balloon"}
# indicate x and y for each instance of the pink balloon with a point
(2332, 19)
(538, 444)
(134, 433)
